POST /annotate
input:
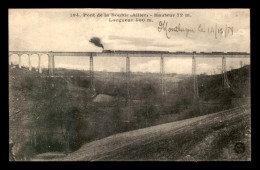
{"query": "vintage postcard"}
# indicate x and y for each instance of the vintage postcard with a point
(129, 84)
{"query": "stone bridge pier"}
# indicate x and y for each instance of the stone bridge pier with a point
(29, 62)
(162, 74)
(51, 64)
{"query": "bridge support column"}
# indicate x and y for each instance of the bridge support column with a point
(128, 79)
(39, 63)
(162, 72)
(128, 100)
(195, 81)
(91, 72)
(20, 64)
(51, 64)
(224, 72)
(10, 59)
(29, 62)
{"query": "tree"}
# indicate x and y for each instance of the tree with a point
(148, 94)
(115, 118)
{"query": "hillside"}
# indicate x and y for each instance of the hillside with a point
(239, 80)
(213, 96)
(209, 137)
(40, 106)
(57, 114)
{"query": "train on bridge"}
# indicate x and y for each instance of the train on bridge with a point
(177, 52)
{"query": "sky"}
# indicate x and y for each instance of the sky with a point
(56, 30)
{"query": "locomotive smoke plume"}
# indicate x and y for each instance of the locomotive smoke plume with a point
(97, 42)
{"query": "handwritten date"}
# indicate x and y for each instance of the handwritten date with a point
(215, 30)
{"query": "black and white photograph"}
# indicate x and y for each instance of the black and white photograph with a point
(92, 84)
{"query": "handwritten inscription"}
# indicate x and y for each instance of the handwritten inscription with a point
(216, 30)
(164, 26)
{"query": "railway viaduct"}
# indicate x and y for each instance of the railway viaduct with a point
(128, 55)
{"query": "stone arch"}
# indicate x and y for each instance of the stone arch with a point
(34, 61)
(24, 60)
(14, 59)
(44, 60)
